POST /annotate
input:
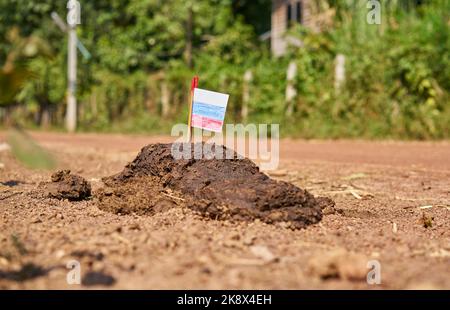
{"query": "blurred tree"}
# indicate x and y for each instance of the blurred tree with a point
(256, 13)
(15, 71)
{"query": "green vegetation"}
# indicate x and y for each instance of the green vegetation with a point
(397, 73)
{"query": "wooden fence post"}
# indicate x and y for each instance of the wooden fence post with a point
(291, 92)
(165, 98)
(339, 72)
(248, 77)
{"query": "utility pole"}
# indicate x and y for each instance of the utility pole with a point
(71, 112)
(73, 19)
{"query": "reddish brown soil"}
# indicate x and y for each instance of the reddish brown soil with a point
(392, 205)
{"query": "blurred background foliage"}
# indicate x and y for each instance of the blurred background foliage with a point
(144, 53)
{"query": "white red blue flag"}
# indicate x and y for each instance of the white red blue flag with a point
(208, 110)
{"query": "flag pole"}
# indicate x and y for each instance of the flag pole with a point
(194, 84)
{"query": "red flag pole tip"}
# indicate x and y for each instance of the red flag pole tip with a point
(194, 83)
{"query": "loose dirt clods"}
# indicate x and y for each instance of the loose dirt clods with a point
(216, 188)
(426, 220)
(65, 185)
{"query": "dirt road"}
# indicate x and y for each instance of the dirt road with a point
(392, 213)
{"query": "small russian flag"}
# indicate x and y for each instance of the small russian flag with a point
(208, 111)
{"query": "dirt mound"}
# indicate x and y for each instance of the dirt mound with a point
(218, 188)
(65, 185)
